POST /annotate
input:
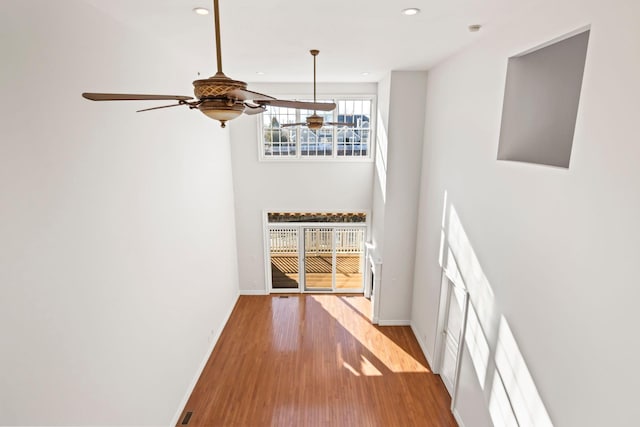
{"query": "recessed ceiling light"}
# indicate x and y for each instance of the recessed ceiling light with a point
(201, 11)
(411, 11)
(364, 73)
(260, 73)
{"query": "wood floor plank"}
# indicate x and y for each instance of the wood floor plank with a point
(316, 360)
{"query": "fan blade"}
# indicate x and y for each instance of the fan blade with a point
(340, 124)
(132, 97)
(253, 109)
(163, 106)
(245, 94)
(299, 105)
(288, 125)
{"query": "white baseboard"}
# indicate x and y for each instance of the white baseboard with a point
(456, 415)
(203, 363)
(394, 322)
(252, 292)
(423, 345)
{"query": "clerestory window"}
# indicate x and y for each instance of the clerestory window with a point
(280, 139)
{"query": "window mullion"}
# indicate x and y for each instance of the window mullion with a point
(297, 131)
(334, 131)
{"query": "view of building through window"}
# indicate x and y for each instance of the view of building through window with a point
(352, 140)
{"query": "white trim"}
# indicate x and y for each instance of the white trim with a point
(284, 291)
(458, 418)
(394, 322)
(444, 262)
(461, 347)
(369, 267)
(253, 292)
(374, 266)
(423, 345)
(439, 344)
(302, 259)
(203, 363)
(298, 157)
(266, 252)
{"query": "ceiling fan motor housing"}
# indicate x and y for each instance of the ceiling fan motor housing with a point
(216, 86)
(215, 100)
(314, 122)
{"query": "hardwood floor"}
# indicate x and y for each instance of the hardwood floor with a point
(315, 360)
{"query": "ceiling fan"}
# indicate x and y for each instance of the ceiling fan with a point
(315, 121)
(218, 97)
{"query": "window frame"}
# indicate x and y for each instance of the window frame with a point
(298, 157)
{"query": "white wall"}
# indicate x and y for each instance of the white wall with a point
(549, 255)
(288, 186)
(117, 248)
(404, 116)
(380, 173)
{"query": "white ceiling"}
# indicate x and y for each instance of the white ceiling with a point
(274, 36)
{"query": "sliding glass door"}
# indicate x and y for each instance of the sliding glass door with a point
(349, 261)
(317, 258)
(284, 259)
(319, 255)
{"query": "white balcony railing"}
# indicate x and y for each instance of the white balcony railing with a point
(320, 240)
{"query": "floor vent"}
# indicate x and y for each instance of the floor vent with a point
(283, 296)
(186, 418)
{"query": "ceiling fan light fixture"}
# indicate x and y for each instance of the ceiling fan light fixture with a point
(411, 11)
(221, 110)
(201, 11)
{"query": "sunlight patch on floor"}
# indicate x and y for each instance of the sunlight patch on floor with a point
(390, 354)
(368, 369)
(360, 304)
